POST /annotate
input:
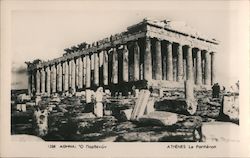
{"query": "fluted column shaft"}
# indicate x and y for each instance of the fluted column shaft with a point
(73, 75)
(198, 68)
(88, 71)
(169, 62)
(70, 74)
(66, 76)
(33, 77)
(147, 60)
(189, 64)
(96, 69)
(158, 61)
(179, 63)
(84, 63)
(48, 80)
(136, 61)
(207, 68)
(53, 78)
(105, 67)
(80, 73)
(38, 79)
(77, 71)
(114, 66)
(213, 77)
(60, 77)
(125, 73)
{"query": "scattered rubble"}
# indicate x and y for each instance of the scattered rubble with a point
(148, 118)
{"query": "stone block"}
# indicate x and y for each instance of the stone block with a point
(220, 132)
(180, 106)
(159, 118)
(230, 108)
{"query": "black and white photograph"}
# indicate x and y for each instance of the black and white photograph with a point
(138, 72)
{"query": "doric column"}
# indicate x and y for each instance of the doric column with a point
(53, 78)
(70, 73)
(189, 64)
(96, 69)
(207, 68)
(73, 75)
(33, 77)
(179, 63)
(115, 66)
(158, 61)
(59, 84)
(88, 71)
(136, 61)
(105, 67)
(66, 76)
(48, 80)
(38, 79)
(84, 65)
(213, 77)
(77, 72)
(169, 62)
(147, 60)
(92, 68)
(125, 63)
(198, 68)
(80, 72)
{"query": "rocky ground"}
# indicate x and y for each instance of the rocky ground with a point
(71, 119)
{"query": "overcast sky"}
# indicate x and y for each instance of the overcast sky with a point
(43, 30)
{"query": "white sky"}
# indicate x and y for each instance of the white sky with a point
(45, 29)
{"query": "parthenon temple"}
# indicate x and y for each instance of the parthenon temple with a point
(150, 53)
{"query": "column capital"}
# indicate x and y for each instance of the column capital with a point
(147, 38)
(157, 38)
(169, 42)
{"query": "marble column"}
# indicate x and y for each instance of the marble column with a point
(66, 76)
(80, 73)
(158, 61)
(59, 87)
(70, 73)
(207, 68)
(179, 63)
(33, 77)
(198, 68)
(73, 75)
(38, 79)
(76, 71)
(96, 69)
(147, 60)
(88, 71)
(136, 61)
(189, 64)
(53, 78)
(169, 62)
(115, 66)
(48, 80)
(213, 77)
(84, 65)
(125, 65)
(105, 67)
